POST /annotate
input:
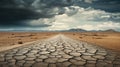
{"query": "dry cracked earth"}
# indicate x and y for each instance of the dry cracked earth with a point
(59, 51)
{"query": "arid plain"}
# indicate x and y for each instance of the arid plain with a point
(108, 40)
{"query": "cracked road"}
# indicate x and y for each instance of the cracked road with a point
(59, 51)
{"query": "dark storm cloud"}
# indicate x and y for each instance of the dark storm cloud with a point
(17, 12)
(115, 17)
(107, 5)
(16, 16)
(14, 11)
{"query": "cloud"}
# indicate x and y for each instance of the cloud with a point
(84, 18)
(101, 26)
(58, 26)
(57, 14)
(106, 5)
(91, 14)
(16, 13)
(41, 22)
(89, 1)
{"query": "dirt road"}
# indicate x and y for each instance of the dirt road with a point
(59, 51)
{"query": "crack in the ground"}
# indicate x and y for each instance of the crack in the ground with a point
(59, 51)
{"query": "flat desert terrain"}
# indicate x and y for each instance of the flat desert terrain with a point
(9, 40)
(109, 40)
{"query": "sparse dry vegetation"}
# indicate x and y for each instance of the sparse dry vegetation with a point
(20, 42)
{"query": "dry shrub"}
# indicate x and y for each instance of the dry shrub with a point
(73, 34)
(98, 38)
(12, 44)
(13, 34)
(33, 38)
(81, 37)
(19, 39)
(95, 34)
(31, 35)
(20, 42)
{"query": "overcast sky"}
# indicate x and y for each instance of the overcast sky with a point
(59, 14)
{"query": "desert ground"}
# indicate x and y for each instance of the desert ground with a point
(109, 40)
(9, 40)
(59, 51)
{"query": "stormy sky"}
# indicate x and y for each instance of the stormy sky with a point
(59, 14)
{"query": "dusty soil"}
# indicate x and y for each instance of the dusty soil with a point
(9, 40)
(109, 40)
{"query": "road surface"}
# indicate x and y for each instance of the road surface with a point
(59, 51)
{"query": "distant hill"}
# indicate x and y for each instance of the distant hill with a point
(73, 30)
(70, 30)
(110, 30)
(82, 30)
(77, 30)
